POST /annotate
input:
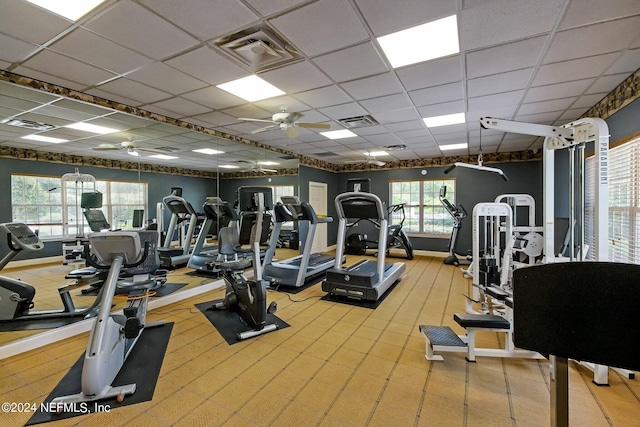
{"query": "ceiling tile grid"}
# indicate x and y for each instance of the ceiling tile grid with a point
(546, 62)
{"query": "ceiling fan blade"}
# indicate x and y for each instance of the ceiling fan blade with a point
(246, 119)
(106, 147)
(291, 132)
(313, 125)
(263, 129)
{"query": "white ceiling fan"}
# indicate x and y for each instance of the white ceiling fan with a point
(287, 122)
(131, 147)
(257, 167)
(370, 159)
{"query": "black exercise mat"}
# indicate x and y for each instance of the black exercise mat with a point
(141, 367)
(162, 291)
(205, 274)
(295, 289)
(360, 303)
(229, 323)
(32, 324)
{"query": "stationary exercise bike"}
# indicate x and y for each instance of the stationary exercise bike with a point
(458, 213)
(16, 296)
(113, 336)
(247, 298)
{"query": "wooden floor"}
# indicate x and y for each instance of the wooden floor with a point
(337, 365)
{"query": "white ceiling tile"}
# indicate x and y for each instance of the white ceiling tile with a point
(581, 12)
(575, 69)
(588, 101)
(166, 78)
(116, 98)
(67, 68)
(181, 107)
(602, 38)
(437, 94)
(627, 63)
(213, 97)
(49, 78)
(387, 103)
(28, 22)
(432, 73)
(129, 88)
(403, 115)
(139, 29)
(323, 97)
(307, 28)
(385, 17)
(368, 87)
(249, 111)
(352, 63)
(506, 57)
(447, 133)
(289, 103)
(541, 118)
(563, 90)
(493, 101)
(569, 116)
(497, 22)
(15, 50)
(369, 130)
(606, 83)
(545, 106)
(207, 65)
(441, 109)
(343, 111)
(406, 126)
(272, 6)
(204, 18)
(297, 77)
(85, 45)
(504, 82)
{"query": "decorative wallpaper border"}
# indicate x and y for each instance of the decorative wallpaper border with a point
(625, 93)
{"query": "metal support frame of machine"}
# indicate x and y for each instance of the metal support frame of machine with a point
(303, 268)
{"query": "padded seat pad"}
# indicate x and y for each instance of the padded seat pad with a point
(489, 321)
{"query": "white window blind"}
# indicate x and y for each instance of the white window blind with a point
(624, 201)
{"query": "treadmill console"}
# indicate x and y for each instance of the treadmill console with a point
(22, 236)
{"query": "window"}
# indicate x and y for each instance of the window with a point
(281, 190)
(424, 213)
(37, 202)
(624, 201)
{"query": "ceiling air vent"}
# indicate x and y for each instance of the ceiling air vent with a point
(395, 147)
(258, 47)
(358, 122)
(27, 124)
(324, 154)
(167, 149)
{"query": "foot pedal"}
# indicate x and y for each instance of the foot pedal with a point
(132, 327)
(273, 307)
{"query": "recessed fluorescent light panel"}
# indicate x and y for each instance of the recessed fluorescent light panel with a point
(377, 153)
(266, 163)
(43, 138)
(251, 88)
(163, 156)
(229, 166)
(208, 151)
(447, 119)
(417, 44)
(461, 146)
(70, 9)
(88, 127)
(338, 134)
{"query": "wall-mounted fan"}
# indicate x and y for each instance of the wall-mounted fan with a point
(256, 167)
(130, 147)
(287, 122)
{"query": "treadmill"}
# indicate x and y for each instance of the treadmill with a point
(179, 207)
(204, 256)
(302, 269)
(365, 280)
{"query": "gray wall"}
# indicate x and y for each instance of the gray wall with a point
(194, 190)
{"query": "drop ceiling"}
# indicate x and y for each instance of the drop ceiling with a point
(543, 61)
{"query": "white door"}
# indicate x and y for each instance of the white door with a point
(318, 200)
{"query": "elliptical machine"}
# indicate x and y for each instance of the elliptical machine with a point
(458, 213)
(247, 298)
(113, 336)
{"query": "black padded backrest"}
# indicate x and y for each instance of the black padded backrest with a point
(586, 311)
(228, 240)
(96, 220)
